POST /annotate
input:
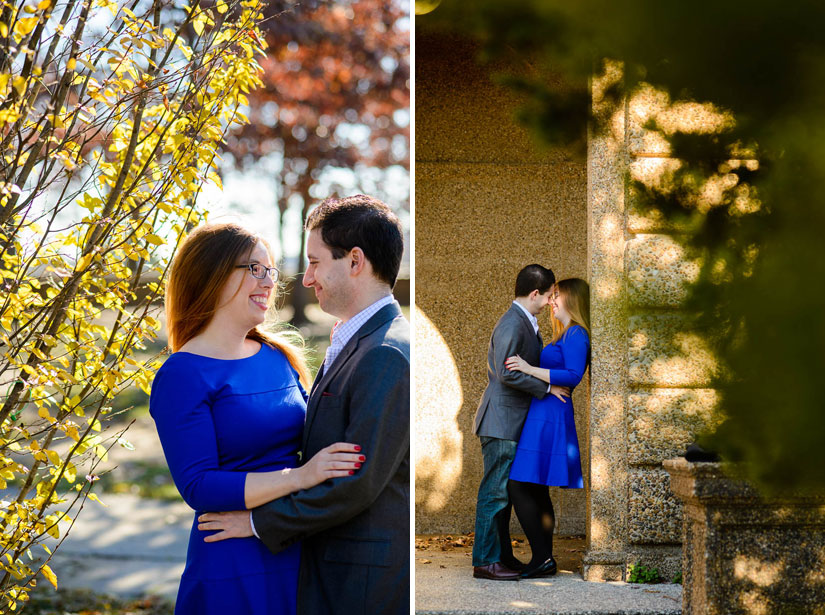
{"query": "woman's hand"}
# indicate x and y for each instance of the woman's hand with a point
(339, 459)
(560, 392)
(517, 364)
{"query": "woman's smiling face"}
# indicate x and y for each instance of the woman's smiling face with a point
(559, 306)
(244, 298)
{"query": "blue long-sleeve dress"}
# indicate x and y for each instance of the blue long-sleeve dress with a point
(548, 448)
(217, 420)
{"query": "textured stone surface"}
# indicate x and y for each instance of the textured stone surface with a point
(603, 566)
(662, 422)
(655, 515)
(570, 506)
(606, 245)
(487, 203)
(658, 271)
(461, 115)
(654, 172)
(746, 554)
(661, 352)
(598, 572)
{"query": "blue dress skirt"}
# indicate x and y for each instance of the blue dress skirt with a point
(217, 420)
(548, 448)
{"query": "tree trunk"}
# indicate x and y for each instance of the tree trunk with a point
(300, 294)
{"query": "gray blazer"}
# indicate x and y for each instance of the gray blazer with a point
(506, 399)
(355, 531)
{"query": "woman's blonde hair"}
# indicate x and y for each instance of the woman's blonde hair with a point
(200, 269)
(576, 293)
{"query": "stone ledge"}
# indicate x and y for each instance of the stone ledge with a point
(743, 552)
(602, 566)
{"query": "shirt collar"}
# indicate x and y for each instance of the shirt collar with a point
(344, 330)
(533, 320)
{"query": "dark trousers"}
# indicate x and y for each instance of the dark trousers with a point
(492, 529)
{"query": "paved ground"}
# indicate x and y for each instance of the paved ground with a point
(131, 547)
(444, 585)
(136, 546)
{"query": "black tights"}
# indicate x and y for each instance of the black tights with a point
(503, 524)
(535, 513)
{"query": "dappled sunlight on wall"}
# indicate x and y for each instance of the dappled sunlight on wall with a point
(611, 420)
(816, 576)
(661, 353)
(653, 119)
(438, 399)
(611, 235)
(757, 571)
(655, 172)
(649, 104)
(597, 530)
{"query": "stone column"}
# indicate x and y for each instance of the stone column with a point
(606, 481)
(650, 373)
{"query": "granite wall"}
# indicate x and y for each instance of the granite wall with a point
(651, 373)
(487, 202)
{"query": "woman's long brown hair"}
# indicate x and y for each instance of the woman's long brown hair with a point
(576, 293)
(201, 268)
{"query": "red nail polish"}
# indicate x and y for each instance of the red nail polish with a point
(357, 448)
(361, 458)
(351, 472)
(357, 465)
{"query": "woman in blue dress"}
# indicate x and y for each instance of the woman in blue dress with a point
(548, 449)
(229, 406)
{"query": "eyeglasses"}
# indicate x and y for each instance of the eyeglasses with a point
(261, 271)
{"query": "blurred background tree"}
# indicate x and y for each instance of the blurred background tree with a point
(333, 115)
(759, 297)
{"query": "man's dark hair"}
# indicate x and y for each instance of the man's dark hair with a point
(364, 222)
(534, 277)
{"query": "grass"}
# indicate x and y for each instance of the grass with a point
(142, 478)
(639, 573)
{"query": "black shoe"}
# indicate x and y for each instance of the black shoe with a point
(514, 564)
(546, 569)
(495, 572)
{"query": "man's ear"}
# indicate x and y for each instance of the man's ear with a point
(357, 260)
(533, 294)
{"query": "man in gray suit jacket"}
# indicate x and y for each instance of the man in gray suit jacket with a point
(354, 531)
(500, 417)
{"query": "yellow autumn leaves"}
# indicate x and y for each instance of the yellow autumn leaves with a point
(107, 141)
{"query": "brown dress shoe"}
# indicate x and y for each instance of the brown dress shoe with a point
(495, 572)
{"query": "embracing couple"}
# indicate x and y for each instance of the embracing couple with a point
(525, 422)
(301, 500)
